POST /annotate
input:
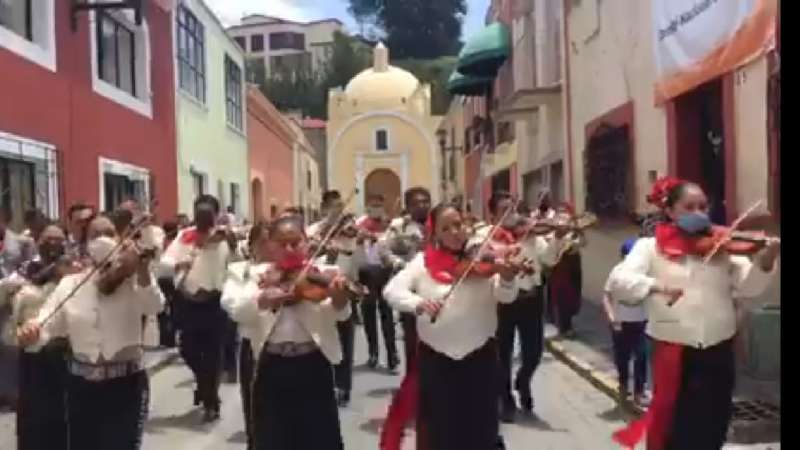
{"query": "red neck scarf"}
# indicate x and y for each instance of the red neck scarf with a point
(372, 225)
(504, 236)
(671, 241)
(190, 236)
(292, 262)
(440, 264)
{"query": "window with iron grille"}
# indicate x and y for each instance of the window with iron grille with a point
(233, 93)
(287, 41)
(191, 54)
(235, 197)
(116, 53)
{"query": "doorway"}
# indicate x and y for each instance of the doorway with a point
(608, 174)
(700, 156)
(502, 181)
(385, 182)
(258, 199)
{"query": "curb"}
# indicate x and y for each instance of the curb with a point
(598, 379)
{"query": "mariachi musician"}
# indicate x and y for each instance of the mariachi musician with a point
(339, 251)
(456, 325)
(99, 312)
(690, 274)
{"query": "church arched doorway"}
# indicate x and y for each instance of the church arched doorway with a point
(257, 194)
(386, 183)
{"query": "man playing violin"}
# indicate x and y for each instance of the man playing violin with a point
(294, 407)
(374, 272)
(338, 252)
(691, 320)
(526, 314)
(199, 257)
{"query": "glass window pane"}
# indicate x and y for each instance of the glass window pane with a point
(14, 15)
(126, 60)
(108, 47)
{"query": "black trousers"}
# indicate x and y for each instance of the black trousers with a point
(526, 316)
(705, 403)
(343, 372)
(246, 373)
(167, 326)
(107, 415)
(631, 343)
(203, 328)
(375, 278)
(230, 345)
(409, 323)
(458, 399)
(294, 407)
(41, 415)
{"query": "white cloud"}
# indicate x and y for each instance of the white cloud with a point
(231, 11)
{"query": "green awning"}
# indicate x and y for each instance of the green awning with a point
(460, 84)
(486, 51)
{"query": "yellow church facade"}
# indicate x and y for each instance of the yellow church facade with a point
(381, 135)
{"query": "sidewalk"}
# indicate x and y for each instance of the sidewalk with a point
(757, 403)
(154, 361)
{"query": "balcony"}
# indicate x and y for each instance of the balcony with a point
(536, 60)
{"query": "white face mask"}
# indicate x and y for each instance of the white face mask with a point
(100, 248)
(376, 212)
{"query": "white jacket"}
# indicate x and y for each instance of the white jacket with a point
(705, 315)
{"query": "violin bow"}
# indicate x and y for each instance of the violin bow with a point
(474, 259)
(729, 233)
(142, 222)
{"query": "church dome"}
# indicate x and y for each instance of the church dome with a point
(382, 82)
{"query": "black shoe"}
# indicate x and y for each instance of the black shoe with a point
(393, 364)
(372, 362)
(501, 443)
(508, 411)
(211, 415)
(343, 398)
(525, 398)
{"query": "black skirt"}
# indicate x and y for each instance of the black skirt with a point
(294, 407)
(41, 416)
(458, 399)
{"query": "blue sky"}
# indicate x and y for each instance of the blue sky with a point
(230, 11)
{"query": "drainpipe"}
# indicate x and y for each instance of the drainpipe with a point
(568, 100)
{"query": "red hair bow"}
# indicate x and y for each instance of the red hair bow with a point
(661, 189)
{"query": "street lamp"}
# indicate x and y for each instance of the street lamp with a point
(442, 135)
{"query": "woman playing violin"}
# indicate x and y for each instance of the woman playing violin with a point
(692, 321)
(457, 350)
(294, 335)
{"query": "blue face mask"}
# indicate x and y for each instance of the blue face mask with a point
(694, 223)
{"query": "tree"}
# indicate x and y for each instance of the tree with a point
(415, 28)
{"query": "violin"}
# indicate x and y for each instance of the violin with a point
(114, 272)
(734, 242)
(489, 262)
(547, 226)
(314, 286)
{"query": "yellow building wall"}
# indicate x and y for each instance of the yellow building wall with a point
(352, 155)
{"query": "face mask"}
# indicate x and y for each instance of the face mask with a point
(51, 252)
(694, 223)
(100, 248)
(375, 213)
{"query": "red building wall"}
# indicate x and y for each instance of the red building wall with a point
(62, 109)
(270, 145)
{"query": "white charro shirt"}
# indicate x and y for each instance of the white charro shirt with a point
(402, 234)
(705, 315)
(209, 264)
(623, 312)
(468, 318)
(303, 322)
(101, 327)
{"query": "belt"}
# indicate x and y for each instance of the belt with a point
(104, 371)
(290, 349)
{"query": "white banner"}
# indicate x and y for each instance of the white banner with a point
(699, 40)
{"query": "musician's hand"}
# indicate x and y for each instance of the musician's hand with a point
(767, 256)
(338, 291)
(507, 270)
(430, 307)
(28, 334)
(272, 298)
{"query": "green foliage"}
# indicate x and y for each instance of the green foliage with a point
(414, 28)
